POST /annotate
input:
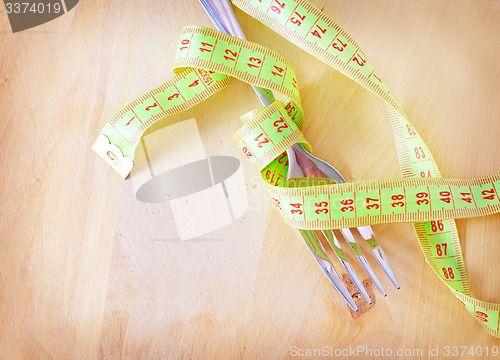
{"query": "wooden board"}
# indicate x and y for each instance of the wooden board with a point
(89, 271)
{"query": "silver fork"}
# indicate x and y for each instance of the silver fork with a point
(303, 164)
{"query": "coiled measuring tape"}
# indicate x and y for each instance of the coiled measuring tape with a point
(205, 60)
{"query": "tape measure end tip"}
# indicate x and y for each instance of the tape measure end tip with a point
(113, 155)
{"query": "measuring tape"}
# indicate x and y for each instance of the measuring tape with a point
(205, 58)
(374, 202)
(119, 138)
(312, 30)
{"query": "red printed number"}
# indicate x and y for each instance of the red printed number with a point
(232, 55)
(151, 106)
(206, 47)
(482, 316)
(127, 124)
(448, 273)
(318, 34)
(247, 152)
(441, 249)
(277, 9)
(280, 124)
(291, 110)
(411, 131)
(194, 83)
(323, 206)
(340, 46)
(419, 153)
(359, 60)
(423, 174)
(277, 203)
(486, 195)
(282, 158)
(347, 202)
(297, 206)
(271, 178)
(372, 206)
(466, 197)
(422, 196)
(437, 225)
(260, 143)
(279, 71)
(184, 42)
(446, 196)
(399, 203)
(296, 21)
(254, 60)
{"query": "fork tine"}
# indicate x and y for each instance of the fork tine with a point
(346, 233)
(324, 169)
(318, 252)
(334, 243)
(368, 235)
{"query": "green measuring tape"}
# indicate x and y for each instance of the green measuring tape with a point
(205, 61)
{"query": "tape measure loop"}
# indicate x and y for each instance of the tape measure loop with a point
(212, 50)
(181, 92)
(267, 133)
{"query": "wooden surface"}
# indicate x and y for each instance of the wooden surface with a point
(87, 272)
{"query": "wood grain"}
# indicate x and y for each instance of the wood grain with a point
(81, 278)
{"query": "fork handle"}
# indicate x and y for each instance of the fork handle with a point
(223, 17)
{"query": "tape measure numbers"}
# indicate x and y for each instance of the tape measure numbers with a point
(121, 135)
(205, 59)
(397, 200)
(250, 62)
(312, 30)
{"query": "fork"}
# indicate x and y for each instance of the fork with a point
(303, 164)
